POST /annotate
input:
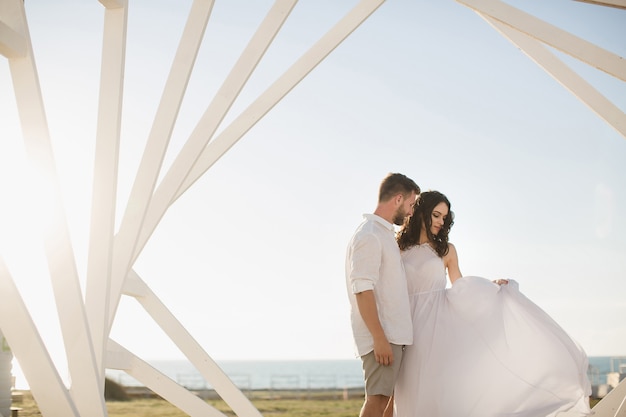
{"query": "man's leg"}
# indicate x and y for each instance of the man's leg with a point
(389, 409)
(379, 384)
(374, 406)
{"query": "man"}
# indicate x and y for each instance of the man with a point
(380, 312)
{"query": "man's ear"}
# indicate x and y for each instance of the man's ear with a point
(399, 199)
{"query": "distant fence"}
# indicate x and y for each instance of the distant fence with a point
(246, 382)
(306, 384)
(272, 387)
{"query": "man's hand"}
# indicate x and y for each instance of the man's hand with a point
(367, 307)
(382, 351)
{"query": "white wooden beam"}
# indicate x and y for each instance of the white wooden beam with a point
(613, 404)
(44, 381)
(12, 44)
(86, 389)
(618, 4)
(602, 106)
(268, 99)
(13, 38)
(158, 139)
(103, 203)
(114, 4)
(560, 39)
(213, 116)
(226, 389)
(161, 384)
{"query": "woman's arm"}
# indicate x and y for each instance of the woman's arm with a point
(451, 261)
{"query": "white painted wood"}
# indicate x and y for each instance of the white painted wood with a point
(158, 139)
(551, 35)
(114, 4)
(134, 286)
(620, 4)
(213, 116)
(259, 108)
(118, 357)
(18, 328)
(103, 203)
(86, 389)
(602, 106)
(164, 386)
(613, 404)
(222, 384)
(13, 42)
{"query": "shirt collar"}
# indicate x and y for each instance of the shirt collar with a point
(377, 218)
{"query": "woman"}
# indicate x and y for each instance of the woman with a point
(480, 349)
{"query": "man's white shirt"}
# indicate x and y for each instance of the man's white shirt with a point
(373, 262)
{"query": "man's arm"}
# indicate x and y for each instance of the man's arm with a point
(367, 308)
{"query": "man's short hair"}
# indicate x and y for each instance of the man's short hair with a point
(394, 184)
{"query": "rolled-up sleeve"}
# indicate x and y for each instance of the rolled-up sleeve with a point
(365, 263)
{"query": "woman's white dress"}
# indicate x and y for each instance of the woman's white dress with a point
(483, 350)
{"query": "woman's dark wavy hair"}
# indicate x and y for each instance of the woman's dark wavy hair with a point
(409, 234)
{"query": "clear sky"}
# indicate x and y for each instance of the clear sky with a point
(251, 258)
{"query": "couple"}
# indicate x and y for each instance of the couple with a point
(477, 349)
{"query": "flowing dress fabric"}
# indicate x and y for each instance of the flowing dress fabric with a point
(483, 350)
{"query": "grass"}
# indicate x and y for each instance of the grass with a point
(292, 406)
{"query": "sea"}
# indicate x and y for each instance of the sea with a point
(307, 374)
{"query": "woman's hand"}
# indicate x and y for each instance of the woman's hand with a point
(501, 281)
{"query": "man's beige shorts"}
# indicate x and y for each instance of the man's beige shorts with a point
(381, 379)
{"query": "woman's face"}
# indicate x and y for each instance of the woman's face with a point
(437, 217)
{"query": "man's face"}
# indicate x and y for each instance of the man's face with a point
(405, 209)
